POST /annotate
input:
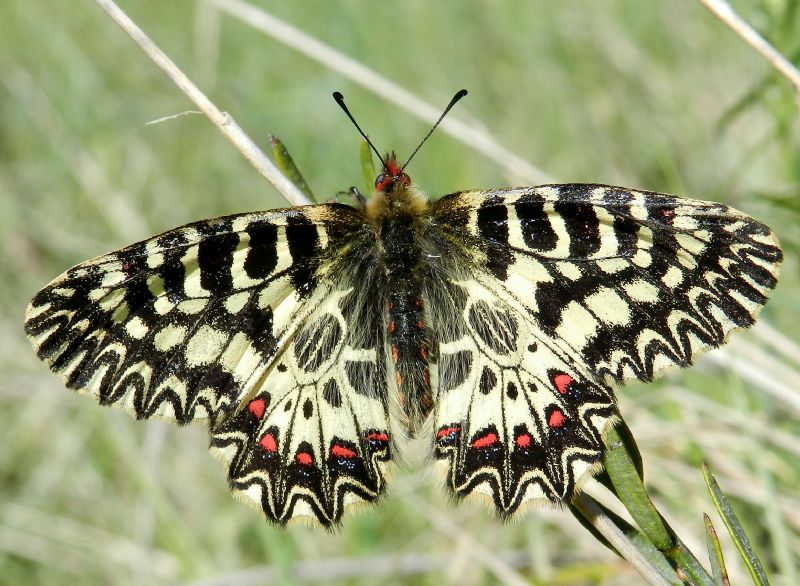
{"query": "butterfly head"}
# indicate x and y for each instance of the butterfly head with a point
(392, 176)
(393, 185)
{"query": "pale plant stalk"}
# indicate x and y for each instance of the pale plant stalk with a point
(723, 11)
(223, 121)
(606, 527)
(370, 80)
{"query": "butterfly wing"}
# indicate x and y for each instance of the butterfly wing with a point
(314, 437)
(191, 324)
(609, 284)
(635, 281)
(517, 418)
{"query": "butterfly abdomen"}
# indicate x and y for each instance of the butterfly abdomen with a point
(408, 337)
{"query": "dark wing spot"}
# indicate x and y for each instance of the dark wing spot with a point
(511, 390)
(331, 393)
(215, 257)
(488, 381)
(262, 254)
(363, 377)
(537, 231)
(303, 241)
(582, 226)
(454, 369)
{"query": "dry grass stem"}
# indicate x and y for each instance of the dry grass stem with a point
(723, 10)
(470, 134)
(617, 538)
(226, 124)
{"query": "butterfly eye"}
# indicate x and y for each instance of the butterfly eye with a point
(404, 179)
(379, 180)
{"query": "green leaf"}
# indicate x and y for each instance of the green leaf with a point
(718, 570)
(621, 523)
(735, 529)
(286, 164)
(367, 166)
(689, 565)
(656, 558)
(621, 467)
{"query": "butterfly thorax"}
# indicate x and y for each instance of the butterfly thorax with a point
(398, 209)
(394, 194)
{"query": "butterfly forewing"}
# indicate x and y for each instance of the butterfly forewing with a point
(633, 281)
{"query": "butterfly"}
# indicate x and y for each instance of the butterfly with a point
(314, 340)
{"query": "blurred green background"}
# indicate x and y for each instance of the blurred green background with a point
(656, 95)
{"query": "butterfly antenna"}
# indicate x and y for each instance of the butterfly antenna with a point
(340, 100)
(459, 94)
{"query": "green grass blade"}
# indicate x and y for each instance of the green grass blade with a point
(624, 474)
(623, 466)
(367, 166)
(718, 571)
(735, 529)
(286, 164)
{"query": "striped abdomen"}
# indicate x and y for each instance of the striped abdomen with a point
(408, 337)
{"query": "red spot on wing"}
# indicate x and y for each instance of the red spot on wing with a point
(342, 452)
(562, 381)
(304, 458)
(268, 442)
(485, 441)
(524, 440)
(556, 418)
(377, 436)
(257, 407)
(446, 431)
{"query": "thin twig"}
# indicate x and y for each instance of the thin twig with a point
(226, 124)
(722, 10)
(618, 539)
(334, 60)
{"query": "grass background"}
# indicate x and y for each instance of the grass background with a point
(657, 95)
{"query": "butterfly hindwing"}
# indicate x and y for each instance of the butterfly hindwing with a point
(314, 437)
(517, 418)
